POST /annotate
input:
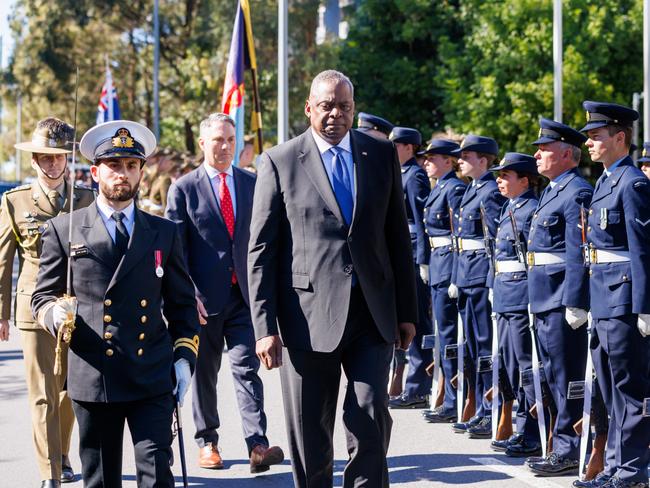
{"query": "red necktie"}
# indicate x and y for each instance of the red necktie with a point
(227, 212)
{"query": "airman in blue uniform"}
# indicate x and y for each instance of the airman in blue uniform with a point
(374, 125)
(444, 198)
(618, 234)
(472, 268)
(517, 176)
(644, 160)
(416, 191)
(558, 285)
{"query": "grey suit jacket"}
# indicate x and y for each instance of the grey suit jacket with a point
(302, 255)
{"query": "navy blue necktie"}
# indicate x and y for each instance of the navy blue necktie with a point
(121, 234)
(342, 184)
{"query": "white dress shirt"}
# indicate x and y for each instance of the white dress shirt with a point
(326, 155)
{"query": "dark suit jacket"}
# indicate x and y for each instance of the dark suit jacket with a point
(302, 255)
(210, 253)
(121, 303)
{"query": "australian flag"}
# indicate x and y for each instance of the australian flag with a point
(108, 107)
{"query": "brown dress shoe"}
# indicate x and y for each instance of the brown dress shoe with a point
(210, 458)
(262, 457)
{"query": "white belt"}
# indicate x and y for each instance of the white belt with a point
(542, 258)
(509, 266)
(470, 244)
(413, 229)
(436, 242)
(599, 256)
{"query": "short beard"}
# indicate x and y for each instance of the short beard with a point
(121, 194)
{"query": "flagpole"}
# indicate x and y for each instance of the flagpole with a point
(557, 60)
(109, 91)
(156, 67)
(283, 72)
(258, 111)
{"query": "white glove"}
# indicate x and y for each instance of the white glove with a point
(644, 324)
(575, 317)
(64, 308)
(424, 273)
(491, 295)
(183, 378)
(452, 292)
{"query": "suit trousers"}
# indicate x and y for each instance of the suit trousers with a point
(310, 385)
(232, 326)
(51, 409)
(564, 355)
(517, 355)
(418, 382)
(622, 361)
(475, 309)
(101, 431)
(445, 313)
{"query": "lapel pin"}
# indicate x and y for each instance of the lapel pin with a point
(364, 153)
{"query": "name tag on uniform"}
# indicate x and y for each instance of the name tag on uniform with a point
(646, 407)
(78, 250)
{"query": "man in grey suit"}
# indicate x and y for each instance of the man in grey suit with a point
(332, 283)
(212, 207)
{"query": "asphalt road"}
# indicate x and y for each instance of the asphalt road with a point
(421, 454)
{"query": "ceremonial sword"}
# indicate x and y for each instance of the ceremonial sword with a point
(64, 333)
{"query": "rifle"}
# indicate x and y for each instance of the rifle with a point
(64, 334)
(486, 236)
(520, 248)
(454, 239)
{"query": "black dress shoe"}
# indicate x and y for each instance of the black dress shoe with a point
(617, 482)
(597, 482)
(461, 427)
(524, 449)
(67, 473)
(404, 401)
(439, 416)
(502, 446)
(555, 465)
(50, 484)
(482, 430)
(534, 459)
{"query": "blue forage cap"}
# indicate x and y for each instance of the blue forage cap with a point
(601, 114)
(515, 161)
(405, 135)
(480, 144)
(440, 146)
(552, 131)
(645, 153)
(368, 121)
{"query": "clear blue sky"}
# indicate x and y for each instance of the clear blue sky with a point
(7, 41)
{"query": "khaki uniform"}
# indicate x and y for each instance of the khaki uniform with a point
(24, 213)
(158, 194)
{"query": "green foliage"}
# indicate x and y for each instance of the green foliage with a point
(480, 66)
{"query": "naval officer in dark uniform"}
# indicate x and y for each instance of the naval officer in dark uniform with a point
(471, 271)
(416, 186)
(618, 234)
(127, 273)
(444, 198)
(558, 286)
